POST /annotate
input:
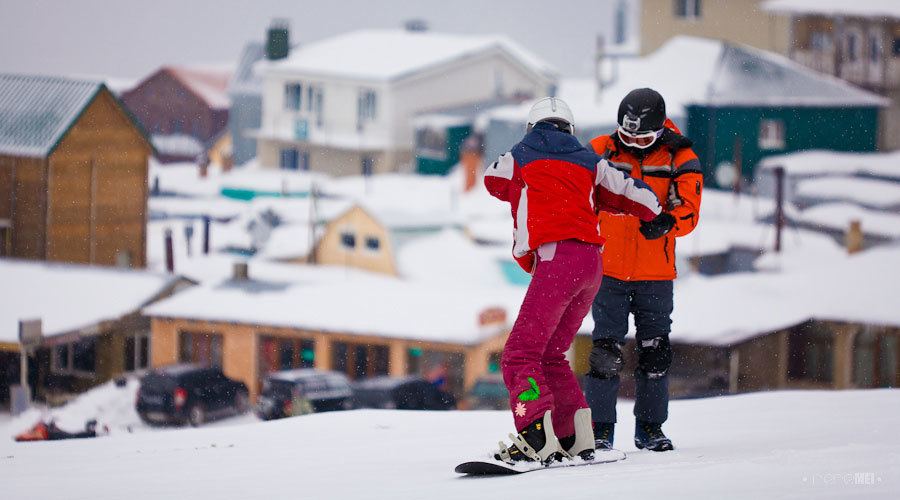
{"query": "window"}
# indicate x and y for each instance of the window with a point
(431, 143)
(202, 348)
(348, 239)
(289, 159)
(373, 243)
(77, 357)
(895, 47)
(365, 107)
(852, 47)
(304, 161)
(810, 353)
(177, 126)
(137, 352)
(771, 134)
(820, 41)
(292, 94)
(368, 165)
(687, 9)
(874, 47)
(5, 238)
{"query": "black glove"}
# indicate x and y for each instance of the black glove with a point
(658, 227)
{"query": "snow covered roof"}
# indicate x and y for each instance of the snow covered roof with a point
(746, 76)
(866, 192)
(826, 286)
(816, 162)
(209, 83)
(699, 71)
(855, 8)
(341, 300)
(71, 297)
(177, 145)
(37, 111)
(245, 79)
(386, 55)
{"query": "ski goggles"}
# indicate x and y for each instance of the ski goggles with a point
(642, 140)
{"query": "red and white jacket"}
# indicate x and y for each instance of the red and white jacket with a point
(555, 188)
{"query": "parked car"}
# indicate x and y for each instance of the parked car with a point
(295, 392)
(488, 393)
(189, 394)
(404, 393)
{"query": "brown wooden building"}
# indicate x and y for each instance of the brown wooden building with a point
(73, 173)
(813, 354)
(182, 109)
(252, 328)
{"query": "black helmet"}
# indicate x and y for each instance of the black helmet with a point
(642, 110)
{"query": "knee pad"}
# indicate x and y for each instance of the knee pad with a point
(606, 359)
(654, 357)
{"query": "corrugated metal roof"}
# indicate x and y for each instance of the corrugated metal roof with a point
(36, 111)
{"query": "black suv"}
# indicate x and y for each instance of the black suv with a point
(286, 392)
(402, 393)
(189, 394)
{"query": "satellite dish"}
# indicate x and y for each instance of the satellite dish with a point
(725, 174)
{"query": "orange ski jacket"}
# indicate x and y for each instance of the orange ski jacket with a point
(673, 171)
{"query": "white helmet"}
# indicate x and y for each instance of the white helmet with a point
(551, 108)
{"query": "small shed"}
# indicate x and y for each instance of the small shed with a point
(73, 173)
(759, 104)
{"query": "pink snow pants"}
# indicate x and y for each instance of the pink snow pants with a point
(534, 365)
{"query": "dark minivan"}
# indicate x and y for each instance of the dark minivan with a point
(189, 394)
(285, 393)
(401, 393)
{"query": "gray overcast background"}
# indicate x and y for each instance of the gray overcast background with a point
(131, 39)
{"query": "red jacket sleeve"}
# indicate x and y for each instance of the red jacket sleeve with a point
(498, 177)
(617, 192)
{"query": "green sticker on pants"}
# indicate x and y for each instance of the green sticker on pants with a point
(530, 394)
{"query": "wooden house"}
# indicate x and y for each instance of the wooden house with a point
(362, 324)
(182, 108)
(73, 173)
(356, 239)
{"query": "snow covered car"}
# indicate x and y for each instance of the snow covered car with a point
(402, 393)
(296, 392)
(189, 394)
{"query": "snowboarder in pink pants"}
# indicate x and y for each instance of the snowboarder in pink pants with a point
(555, 187)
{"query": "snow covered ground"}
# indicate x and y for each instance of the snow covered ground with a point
(792, 444)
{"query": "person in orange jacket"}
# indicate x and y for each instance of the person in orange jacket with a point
(639, 267)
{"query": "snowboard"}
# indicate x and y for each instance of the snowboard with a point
(491, 467)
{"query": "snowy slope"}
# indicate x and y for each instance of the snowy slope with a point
(766, 445)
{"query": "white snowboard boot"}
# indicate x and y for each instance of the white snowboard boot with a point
(580, 444)
(536, 443)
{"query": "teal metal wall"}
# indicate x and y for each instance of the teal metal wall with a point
(455, 138)
(714, 130)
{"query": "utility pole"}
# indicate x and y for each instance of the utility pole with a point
(779, 206)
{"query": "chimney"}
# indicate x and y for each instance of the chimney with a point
(277, 40)
(853, 238)
(240, 272)
(598, 66)
(416, 25)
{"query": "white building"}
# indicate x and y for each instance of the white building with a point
(345, 105)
